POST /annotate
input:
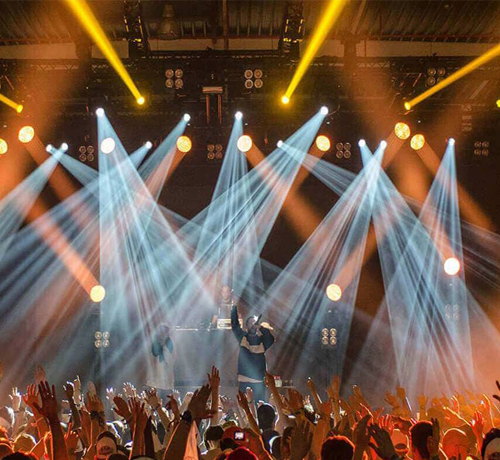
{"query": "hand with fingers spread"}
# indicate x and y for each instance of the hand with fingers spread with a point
(31, 397)
(270, 381)
(93, 403)
(15, 399)
(139, 414)
(122, 409)
(301, 440)
(110, 394)
(361, 436)
(295, 400)
(71, 440)
(382, 445)
(198, 405)
(129, 390)
(69, 390)
(477, 425)
(153, 399)
(392, 400)
(214, 378)
(91, 389)
(243, 401)
(173, 405)
(49, 407)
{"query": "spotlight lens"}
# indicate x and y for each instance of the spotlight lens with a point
(323, 143)
(362, 143)
(324, 110)
(407, 105)
(3, 147)
(184, 144)
(334, 292)
(49, 148)
(141, 100)
(498, 102)
(383, 144)
(26, 134)
(451, 141)
(402, 130)
(97, 293)
(99, 112)
(244, 143)
(187, 117)
(64, 147)
(108, 145)
(417, 141)
(19, 108)
(149, 144)
(285, 99)
(451, 266)
(279, 144)
(238, 115)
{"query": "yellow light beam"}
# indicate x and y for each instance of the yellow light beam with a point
(471, 66)
(327, 20)
(13, 105)
(92, 26)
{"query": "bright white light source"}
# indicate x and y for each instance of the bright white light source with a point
(148, 144)
(238, 115)
(334, 292)
(383, 144)
(451, 266)
(99, 112)
(451, 141)
(279, 144)
(97, 293)
(108, 145)
(324, 110)
(244, 143)
(186, 117)
(64, 147)
(362, 143)
(49, 148)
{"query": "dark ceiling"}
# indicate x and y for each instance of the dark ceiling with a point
(48, 21)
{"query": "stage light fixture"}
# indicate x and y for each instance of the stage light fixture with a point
(19, 108)
(451, 141)
(362, 143)
(169, 73)
(90, 149)
(82, 157)
(108, 145)
(248, 84)
(148, 144)
(184, 144)
(334, 292)
(417, 141)
(285, 99)
(498, 103)
(4, 147)
(186, 117)
(90, 157)
(244, 143)
(179, 73)
(97, 293)
(248, 74)
(179, 83)
(64, 147)
(323, 143)
(141, 100)
(258, 73)
(451, 266)
(279, 144)
(402, 130)
(169, 83)
(259, 83)
(324, 110)
(26, 134)
(383, 144)
(238, 115)
(49, 148)
(407, 105)
(99, 112)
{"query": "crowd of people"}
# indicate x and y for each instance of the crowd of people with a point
(66, 424)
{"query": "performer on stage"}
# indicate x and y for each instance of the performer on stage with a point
(160, 373)
(252, 360)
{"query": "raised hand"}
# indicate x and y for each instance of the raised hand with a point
(49, 408)
(91, 389)
(243, 401)
(214, 378)
(138, 414)
(93, 403)
(477, 425)
(422, 401)
(129, 390)
(122, 409)
(433, 441)
(77, 387)
(15, 398)
(69, 389)
(270, 381)
(391, 400)
(301, 440)
(295, 400)
(360, 434)
(249, 394)
(173, 405)
(153, 399)
(383, 445)
(198, 404)
(40, 375)
(31, 397)
(110, 394)
(71, 440)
